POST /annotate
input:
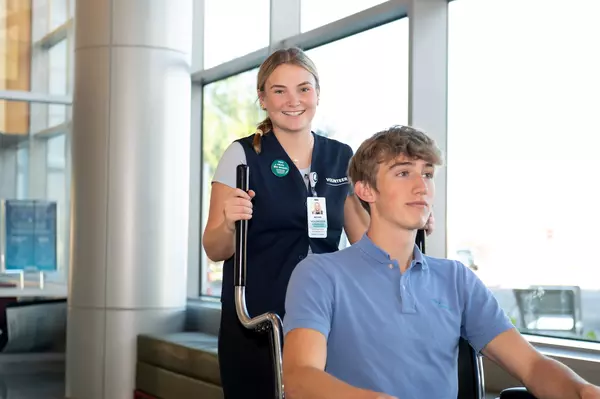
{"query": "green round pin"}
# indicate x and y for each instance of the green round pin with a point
(280, 168)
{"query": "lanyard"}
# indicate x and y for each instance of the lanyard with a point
(312, 182)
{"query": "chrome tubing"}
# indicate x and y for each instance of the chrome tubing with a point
(420, 240)
(266, 322)
(480, 377)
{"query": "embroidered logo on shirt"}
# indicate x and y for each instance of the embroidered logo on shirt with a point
(336, 182)
(440, 304)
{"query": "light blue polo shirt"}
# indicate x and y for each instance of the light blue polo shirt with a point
(391, 332)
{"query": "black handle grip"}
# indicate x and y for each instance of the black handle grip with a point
(420, 240)
(242, 181)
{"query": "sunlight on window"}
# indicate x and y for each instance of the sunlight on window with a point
(360, 92)
(522, 158)
(316, 13)
(230, 34)
(230, 111)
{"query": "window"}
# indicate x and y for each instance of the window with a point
(523, 135)
(57, 190)
(58, 13)
(49, 15)
(230, 111)
(34, 165)
(316, 13)
(57, 81)
(22, 170)
(229, 34)
(361, 91)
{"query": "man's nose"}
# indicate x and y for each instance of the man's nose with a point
(420, 185)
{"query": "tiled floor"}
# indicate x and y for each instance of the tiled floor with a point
(29, 380)
(32, 380)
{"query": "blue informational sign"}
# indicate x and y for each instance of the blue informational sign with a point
(30, 235)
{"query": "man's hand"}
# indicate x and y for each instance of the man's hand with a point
(590, 392)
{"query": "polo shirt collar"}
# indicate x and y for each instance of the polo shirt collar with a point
(380, 256)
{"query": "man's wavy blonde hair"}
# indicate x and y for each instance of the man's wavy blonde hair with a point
(386, 146)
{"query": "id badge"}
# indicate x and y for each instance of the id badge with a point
(317, 217)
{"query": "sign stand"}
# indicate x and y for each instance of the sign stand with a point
(28, 239)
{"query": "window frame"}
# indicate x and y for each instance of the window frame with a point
(428, 109)
(370, 18)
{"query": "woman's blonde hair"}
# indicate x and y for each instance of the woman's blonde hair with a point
(291, 56)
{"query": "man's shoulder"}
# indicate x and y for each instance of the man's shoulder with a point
(447, 268)
(326, 263)
(443, 263)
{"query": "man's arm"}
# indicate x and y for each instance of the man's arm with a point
(490, 331)
(304, 356)
(309, 304)
(543, 377)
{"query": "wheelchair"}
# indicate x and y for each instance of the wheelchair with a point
(470, 363)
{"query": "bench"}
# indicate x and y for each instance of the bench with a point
(179, 365)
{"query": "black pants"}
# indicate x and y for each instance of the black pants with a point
(244, 360)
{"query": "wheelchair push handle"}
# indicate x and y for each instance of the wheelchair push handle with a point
(266, 322)
(420, 240)
(241, 230)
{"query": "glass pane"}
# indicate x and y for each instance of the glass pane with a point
(33, 166)
(56, 188)
(13, 164)
(230, 111)
(47, 15)
(230, 34)
(316, 13)
(379, 89)
(387, 87)
(55, 150)
(22, 170)
(57, 68)
(522, 149)
(58, 13)
(36, 45)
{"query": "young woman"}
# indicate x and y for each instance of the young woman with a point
(291, 169)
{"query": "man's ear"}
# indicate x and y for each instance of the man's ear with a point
(364, 191)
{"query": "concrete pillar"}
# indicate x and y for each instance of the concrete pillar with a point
(130, 186)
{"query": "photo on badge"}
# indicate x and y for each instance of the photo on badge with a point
(317, 208)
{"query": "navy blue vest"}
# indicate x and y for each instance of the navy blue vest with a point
(278, 231)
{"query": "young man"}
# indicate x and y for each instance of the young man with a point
(379, 318)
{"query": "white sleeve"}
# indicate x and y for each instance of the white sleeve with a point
(232, 157)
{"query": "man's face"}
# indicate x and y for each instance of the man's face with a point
(404, 195)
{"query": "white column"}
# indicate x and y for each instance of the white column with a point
(130, 186)
(428, 87)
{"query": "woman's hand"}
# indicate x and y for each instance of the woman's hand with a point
(429, 226)
(238, 206)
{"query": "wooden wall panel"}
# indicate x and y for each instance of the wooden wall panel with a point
(14, 117)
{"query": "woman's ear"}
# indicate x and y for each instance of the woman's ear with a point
(261, 99)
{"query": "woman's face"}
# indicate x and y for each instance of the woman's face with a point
(290, 98)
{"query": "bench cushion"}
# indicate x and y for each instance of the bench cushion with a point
(191, 354)
(165, 384)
